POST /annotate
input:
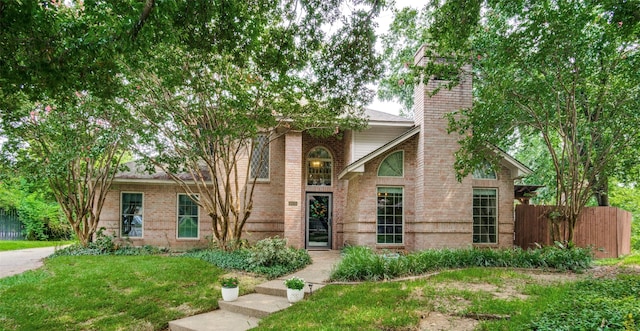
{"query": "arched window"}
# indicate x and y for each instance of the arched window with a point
(392, 165)
(484, 172)
(319, 167)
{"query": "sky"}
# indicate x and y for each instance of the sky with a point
(384, 20)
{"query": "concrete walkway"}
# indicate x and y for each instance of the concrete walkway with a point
(246, 312)
(19, 261)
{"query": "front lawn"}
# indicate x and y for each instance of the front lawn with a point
(110, 293)
(471, 299)
(10, 245)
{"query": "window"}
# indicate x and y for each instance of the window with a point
(392, 165)
(187, 217)
(132, 220)
(319, 167)
(485, 216)
(390, 215)
(484, 172)
(260, 157)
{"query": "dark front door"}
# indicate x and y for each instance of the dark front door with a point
(318, 220)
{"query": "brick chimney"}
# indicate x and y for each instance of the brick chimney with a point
(443, 205)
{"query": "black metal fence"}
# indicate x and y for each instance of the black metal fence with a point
(10, 226)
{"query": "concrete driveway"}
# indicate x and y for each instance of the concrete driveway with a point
(19, 261)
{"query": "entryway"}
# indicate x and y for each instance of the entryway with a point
(318, 220)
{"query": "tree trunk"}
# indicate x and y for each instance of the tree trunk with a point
(601, 192)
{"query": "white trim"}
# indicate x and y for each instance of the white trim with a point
(385, 158)
(357, 167)
(122, 213)
(497, 225)
(197, 237)
(403, 217)
(518, 170)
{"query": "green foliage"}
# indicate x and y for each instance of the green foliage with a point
(362, 263)
(269, 257)
(294, 283)
(627, 197)
(229, 282)
(274, 251)
(594, 305)
(36, 207)
(106, 245)
(551, 73)
(237, 259)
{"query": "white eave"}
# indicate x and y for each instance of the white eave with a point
(518, 170)
(357, 167)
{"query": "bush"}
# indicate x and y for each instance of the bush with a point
(269, 257)
(362, 263)
(105, 245)
(274, 251)
(237, 259)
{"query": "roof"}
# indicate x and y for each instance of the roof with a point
(525, 191)
(518, 170)
(376, 118)
(137, 173)
(357, 167)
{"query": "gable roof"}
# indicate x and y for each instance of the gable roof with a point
(357, 167)
(518, 170)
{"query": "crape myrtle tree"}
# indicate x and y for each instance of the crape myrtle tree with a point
(76, 147)
(59, 64)
(64, 94)
(207, 107)
(561, 72)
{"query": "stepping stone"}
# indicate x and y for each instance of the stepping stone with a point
(255, 305)
(217, 320)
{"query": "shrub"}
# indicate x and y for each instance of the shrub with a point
(237, 259)
(361, 263)
(269, 257)
(105, 245)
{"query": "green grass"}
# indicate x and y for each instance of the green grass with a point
(631, 259)
(532, 303)
(109, 293)
(10, 245)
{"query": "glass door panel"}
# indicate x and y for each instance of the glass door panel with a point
(318, 220)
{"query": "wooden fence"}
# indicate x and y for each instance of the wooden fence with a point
(607, 229)
(10, 226)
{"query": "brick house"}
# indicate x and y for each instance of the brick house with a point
(391, 186)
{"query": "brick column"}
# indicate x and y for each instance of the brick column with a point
(293, 204)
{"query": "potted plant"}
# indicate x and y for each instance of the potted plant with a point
(230, 289)
(295, 289)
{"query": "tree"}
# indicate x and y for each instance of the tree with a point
(76, 147)
(61, 92)
(562, 71)
(257, 70)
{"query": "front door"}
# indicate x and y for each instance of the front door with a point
(318, 220)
